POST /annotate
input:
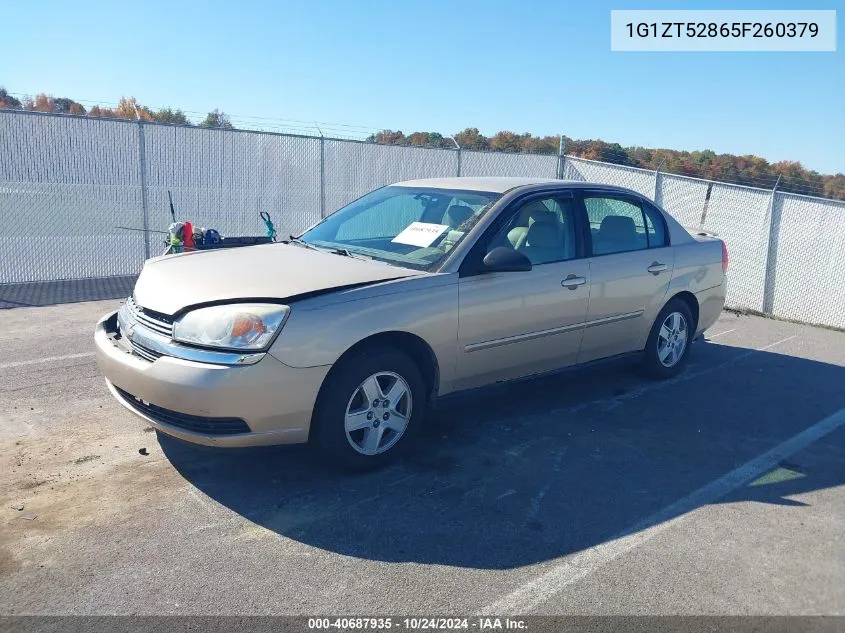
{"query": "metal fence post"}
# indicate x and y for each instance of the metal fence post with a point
(458, 150)
(561, 158)
(771, 253)
(322, 176)
(142, 166)
(707, 195)
(658, 181)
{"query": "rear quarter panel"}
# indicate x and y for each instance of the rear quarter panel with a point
(698, 269)
(698, 266)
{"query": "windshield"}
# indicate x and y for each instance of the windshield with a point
(408, 226)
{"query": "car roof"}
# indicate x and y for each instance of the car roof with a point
(496, 184)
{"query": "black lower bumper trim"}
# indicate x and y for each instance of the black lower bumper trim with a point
(192, 423)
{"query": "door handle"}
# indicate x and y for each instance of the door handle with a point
(656, 268)
(573, 281)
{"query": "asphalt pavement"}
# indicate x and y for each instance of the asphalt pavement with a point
(593, 492)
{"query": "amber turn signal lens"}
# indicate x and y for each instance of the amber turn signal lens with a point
(247, 326)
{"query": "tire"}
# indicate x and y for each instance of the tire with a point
(667, 350)
(354, 396)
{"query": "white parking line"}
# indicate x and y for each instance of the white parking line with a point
(48, 359)
(711, 336)
(573, 568)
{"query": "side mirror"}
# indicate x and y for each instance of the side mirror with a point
(505, 260)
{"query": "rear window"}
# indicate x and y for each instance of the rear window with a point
(616, 226)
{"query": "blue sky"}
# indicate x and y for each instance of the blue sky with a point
(541, 66)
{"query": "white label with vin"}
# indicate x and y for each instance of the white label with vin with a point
(420, 234)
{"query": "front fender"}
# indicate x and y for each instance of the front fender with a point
(318, 332)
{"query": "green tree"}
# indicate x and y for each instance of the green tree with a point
(64, 105)
(174, 117)
(217, 119)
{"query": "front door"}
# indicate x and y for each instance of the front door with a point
(513, 324)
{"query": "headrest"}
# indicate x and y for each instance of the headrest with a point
(531, 211)
(457, 214)
(543, 215)
(543, 234)
(618, 227)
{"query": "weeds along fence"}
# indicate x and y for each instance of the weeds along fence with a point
(67, 183)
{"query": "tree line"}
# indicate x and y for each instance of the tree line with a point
(749, 170)
(127, 108)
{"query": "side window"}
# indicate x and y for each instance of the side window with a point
(544, 230)
(386, 218)
(655, 227)
(616, 226)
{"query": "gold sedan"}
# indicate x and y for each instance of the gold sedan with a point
(345, 335)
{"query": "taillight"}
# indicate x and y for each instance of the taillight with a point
(724, 257)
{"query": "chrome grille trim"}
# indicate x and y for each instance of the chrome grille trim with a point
(149, 320)
(145, 353)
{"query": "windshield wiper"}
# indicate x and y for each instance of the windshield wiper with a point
(347, 253)
(336, 250)
(296, 240)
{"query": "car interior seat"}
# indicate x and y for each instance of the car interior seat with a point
(456, 215)
(527, 216)
(545, 240)
(617, 233)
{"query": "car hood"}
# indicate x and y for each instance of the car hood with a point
(272, 271)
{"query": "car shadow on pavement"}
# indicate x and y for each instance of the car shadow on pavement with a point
(528, 472)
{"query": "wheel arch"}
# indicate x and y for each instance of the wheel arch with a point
(692, 303)
(417, 349)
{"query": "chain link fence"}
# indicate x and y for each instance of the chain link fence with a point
(806, 256)
(475, 163)
(223, 179)
(67, 183)
(785, 249)
(353, 168)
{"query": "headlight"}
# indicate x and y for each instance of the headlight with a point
(248, 326)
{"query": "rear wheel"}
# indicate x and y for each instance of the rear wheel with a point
(668, 345)
(369, 409)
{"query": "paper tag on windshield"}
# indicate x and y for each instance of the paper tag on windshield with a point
(420, 234)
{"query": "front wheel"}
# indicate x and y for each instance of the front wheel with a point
(369, 409)
(668, 345)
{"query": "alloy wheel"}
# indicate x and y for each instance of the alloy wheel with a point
(672, 339)
(378, 413)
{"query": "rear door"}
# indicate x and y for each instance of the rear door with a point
(513, 324)
(630, 266)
